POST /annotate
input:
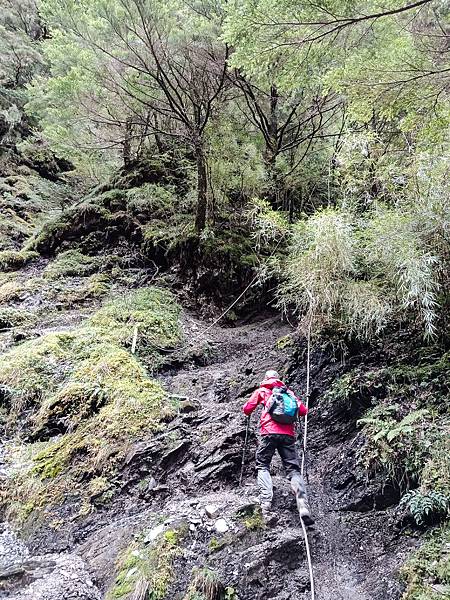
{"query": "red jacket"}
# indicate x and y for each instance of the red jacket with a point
(260, 396)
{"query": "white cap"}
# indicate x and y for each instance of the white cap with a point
(271, 375)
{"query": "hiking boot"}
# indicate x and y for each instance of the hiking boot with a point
(304, 512)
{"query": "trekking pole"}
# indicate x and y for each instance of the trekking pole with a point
(247, 429)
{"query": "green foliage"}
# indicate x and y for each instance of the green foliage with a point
(268, 225)
(10, 260)
(147, 571)
(363, 274)
(427, 572)
(425, 506)
(391, 429)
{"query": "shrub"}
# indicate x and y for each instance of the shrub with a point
(360, 274)
(427, 572)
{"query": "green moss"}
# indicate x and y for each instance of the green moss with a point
(13, 317)
(10, 289)
(69, 292)
(255, 520)
(147, 568)
(25, 200)
(130, 404)
(94, 392)
(10, 260)
(71, 224)
(216, 545)
(427, 572)
(151, 201)
(72, 262)
(152, 310)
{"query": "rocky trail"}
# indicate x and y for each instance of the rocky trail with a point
(189, 474)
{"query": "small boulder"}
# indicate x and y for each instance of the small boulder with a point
(221, 526)
(211, 510)
(153, 534)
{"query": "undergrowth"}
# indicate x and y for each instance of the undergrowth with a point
(406, 429)
(427, 572)
(146, 571)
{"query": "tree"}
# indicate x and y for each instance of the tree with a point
(20, 60)
(137, 68)
(288, 123)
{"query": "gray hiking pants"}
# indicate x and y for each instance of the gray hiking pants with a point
(285, 445)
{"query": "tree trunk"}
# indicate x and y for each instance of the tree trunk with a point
(271, 150)
(202, 189)
(127, 142)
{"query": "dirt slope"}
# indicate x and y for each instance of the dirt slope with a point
(170, 478)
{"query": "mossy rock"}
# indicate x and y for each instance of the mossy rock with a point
(11, 260)
(72, 262)
(87, 388)
(77, 222)
(154, 313)
(25, 201)
(13, 317)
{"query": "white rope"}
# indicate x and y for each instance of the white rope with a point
(305, 433)
(308, 556)
(308, 368)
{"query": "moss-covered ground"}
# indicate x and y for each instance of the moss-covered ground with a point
(146, 570)
(82, 397)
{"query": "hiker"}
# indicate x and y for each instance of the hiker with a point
(281, 408)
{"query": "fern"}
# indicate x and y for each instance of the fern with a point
(425, 506)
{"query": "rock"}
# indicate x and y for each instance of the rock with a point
(221, 526)
(154, 533)
(53, 577)
(211, 510)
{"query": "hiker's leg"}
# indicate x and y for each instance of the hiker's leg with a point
(289, 456)
(264, 455)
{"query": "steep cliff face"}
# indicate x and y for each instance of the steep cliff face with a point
(122, 485)
(122, 430)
